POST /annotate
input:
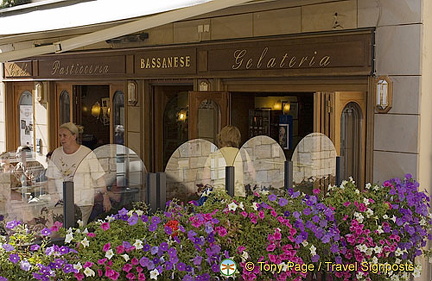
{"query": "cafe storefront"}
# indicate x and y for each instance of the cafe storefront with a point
(154, 99)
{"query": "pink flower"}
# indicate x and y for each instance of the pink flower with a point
(57, 225)
(127, 267)
(346, 204)
(221, 230)
(134, 261)
(244, 214)
(120, 249)
(130, 276)
(102, 261)
(141, 277)
(112, 274)
(106, 247)
(240, 249)
(87, 264)
(105, 226)
(261, 214)
(278, 235)
(316, 191)
(271, 247)
(91, 234)
(79, 276)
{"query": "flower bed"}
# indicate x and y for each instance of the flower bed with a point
(346, 234)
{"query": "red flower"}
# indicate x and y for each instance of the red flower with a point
(173, 224)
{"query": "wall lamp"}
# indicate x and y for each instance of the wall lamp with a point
(132, 93)
(383, 94)
(40, 90)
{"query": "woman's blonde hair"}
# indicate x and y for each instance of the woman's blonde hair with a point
(229, 136)
(74, 129)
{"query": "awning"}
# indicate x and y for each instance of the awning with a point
(153, 13)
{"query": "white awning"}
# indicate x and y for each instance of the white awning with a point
(154, 13)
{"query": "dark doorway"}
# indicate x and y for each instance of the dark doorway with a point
(93, 113)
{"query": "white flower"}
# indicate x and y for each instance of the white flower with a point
(398, 261)
(399, 252)
(368, 186)
(374, 260)
(244, 256)
(110, 218)
(85, 242)
(126, 257)
(85, 231)
(77, 266)
(359, 217)
(255, 206)
(369, 251)
(232, 206)
(422, 222)
(394, 277)
(357, 191)
(89, 272)
(241, 206)
(417, 270)
(80, 223)
(369, 213)
(138, 244)
(366, 201)
(109, 254)
(359, 275)
(130, 213)
(139, 213)
(362, 248)
(393, 218)
(312, 250)
(68, 238)
(154, 274)
(377, 250)
(305, 243)
(385, 217)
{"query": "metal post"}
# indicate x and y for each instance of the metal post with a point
(151, 192)
(288, 175)
(68, 204)
(229, 180)
(161, 188)
(339, 170)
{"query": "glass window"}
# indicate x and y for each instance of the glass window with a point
(64, 107)
(118, 117)
(26, 119)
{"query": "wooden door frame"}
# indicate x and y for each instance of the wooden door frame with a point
(12, 114)
(196, 98)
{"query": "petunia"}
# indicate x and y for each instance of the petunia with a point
(105, 226)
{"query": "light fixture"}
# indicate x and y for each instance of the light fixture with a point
(96, 110)
(277, 105)
(102, 112)
(384, 94)
(132, 93)
(39, 91)
(182, 115)
(286, 107)
(204, 85)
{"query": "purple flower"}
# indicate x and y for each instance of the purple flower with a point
(46, 232)
(8, 247)
(123, 212)
(146, 247)
(164, 246)
(154, 250)
(272, 197)
(152, 227)
(283, 202)
(197, 260)
(315, 258)
(25, 265)
(12, 224)
(14, 258)
(34, 247)
(144, 261)
(181, 266)
(133, 219)
(3, 278)
(155, 220)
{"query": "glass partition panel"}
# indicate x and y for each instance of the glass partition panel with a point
(24, 194)
(314, 163)
(262, 165)
(124, 176)
(185, 170)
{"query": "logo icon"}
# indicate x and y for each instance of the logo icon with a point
(228, 267)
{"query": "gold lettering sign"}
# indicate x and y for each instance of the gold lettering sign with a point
(166, 62)
(78, 69)
(242, 60)
(18, 69)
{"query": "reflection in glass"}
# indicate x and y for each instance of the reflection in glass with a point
(118, 117)
(64, 107)
(184, 170)
(314, 163)
(263, 164)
